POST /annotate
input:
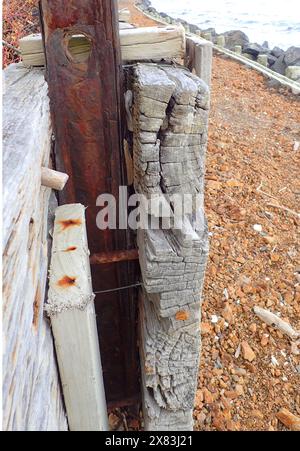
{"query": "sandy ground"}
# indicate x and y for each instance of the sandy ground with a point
(249, 370)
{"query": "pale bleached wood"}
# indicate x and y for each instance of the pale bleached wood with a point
(199, 57)
(71, 308)
(124, 15)
(53, 179)
(273, 320)
(143, 43)
(31, 392)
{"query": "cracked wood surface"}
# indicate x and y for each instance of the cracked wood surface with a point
(169, 118)
(31, 391)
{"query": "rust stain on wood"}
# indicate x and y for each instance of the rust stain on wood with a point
(68, 223)
(182, 315)
(70, 249)
(36, 307)
(66, 282)
(114, 256)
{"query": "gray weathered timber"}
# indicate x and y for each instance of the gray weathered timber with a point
(199, 57)
(170, 120)
(31, 393)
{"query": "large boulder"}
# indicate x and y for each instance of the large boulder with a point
(293, 72)
(235, 37)
(194, 28)
(279, 66)
(255, 49)
(271, 59)
(277, 52)
(292, 56)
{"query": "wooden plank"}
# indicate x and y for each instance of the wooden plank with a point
(124, 15)
(199, 57)
(71, 308)
(86, 107)
(28, 351)
(144, 43)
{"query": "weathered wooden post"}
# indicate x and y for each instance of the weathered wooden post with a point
(170, 118)
(85, 98)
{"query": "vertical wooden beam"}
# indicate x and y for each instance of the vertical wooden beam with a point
(85, 100)
(170, 119)
(199, 57)
(73, 320)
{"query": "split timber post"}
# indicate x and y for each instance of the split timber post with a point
(85, 98)
(169, 127)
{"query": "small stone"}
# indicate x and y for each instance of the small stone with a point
(208, 396)
(275, 258)
(270, 239)
(214, 185)
(257, 414)
(295, 348)
(296, 146)
(264, 340)
(239, 390)
(257, 228)
(231, 394)
(214, 319)
(253, 328)
(274, 361)
(198, 397)
(247, 352)
(227, 313)
(201, 418)
(205, 328)
(240, 371)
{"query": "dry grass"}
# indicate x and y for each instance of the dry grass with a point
(19, 18)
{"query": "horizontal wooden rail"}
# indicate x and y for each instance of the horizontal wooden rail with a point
(137, 44)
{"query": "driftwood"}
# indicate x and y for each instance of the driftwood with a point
(170, 115)
(273, 320)
(145, 43)
(31, 391)
(71, 308)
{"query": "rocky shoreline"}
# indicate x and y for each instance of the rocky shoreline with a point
(284, 62)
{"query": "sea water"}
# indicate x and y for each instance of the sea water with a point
(277, 22)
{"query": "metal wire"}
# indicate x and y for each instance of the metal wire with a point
(120, 288)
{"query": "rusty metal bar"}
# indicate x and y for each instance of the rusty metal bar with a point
(86, 106)
(114, 257)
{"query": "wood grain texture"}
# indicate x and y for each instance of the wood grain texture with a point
(53, 179)
(71, 308)
(198, 57)
(31, 392)
(86, 106)
(143, 43)
(170, 120)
